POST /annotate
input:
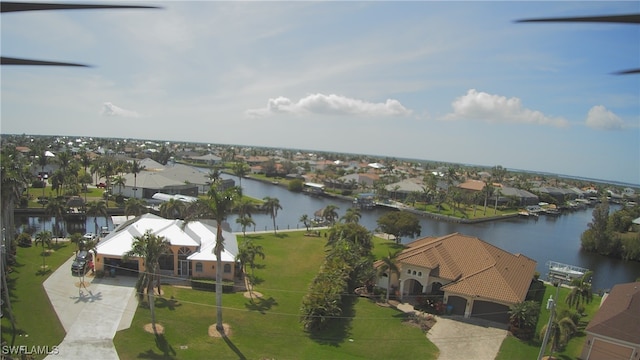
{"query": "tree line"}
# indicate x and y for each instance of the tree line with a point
(613, 234)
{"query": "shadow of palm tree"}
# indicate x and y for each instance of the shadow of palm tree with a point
(171, 304)
(233, 347)
(163, 345)
(261, 305)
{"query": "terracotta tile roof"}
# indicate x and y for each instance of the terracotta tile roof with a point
(475, 267)
(475, 185)
(619, 315)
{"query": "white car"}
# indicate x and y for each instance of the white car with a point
(89, 236)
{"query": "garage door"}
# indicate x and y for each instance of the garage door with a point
(490, 311)
(129, 268)
(459, 304)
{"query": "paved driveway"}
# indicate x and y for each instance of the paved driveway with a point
(90, 315)
(458, 340)
(461, 341)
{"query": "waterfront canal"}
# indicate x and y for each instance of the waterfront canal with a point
(545, 239)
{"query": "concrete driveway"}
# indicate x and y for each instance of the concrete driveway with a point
(459, 340)
(90, 314)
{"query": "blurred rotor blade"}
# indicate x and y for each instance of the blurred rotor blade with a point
(627, 72)
(624, 19)
(16, 61)
(9, 6)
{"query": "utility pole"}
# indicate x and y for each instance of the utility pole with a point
(551, 305)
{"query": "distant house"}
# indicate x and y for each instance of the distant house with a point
(614, 331)
(476, 278)
(207, 159)
(191, 251)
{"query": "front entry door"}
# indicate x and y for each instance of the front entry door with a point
(183, 268)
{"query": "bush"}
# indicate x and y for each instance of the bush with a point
(210, 285)
(37, 184)
(24, 240)
(296, 185)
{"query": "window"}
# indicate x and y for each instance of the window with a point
(414, 272)
(419, 273)
(227, 268)
(198, 267)
(409, 272)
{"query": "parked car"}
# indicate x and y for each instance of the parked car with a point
(101, 185)
(79, 266)
(89, 236)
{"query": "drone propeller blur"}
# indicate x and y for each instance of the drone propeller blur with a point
(620, 19)
(7, 7)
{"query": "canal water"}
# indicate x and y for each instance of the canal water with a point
(546, 239)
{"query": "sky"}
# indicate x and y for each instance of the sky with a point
(457, 82)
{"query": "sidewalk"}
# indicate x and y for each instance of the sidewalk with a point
(90, 314)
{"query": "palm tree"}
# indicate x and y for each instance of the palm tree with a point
(149, 247)
(272, 205)
(172, 209)
(330, 213)
(135, 207)
(305, 220)
(119, 181)
(561, 331)
(95, 209)
(218, 206)
(246, 207)
(240, 169)
(56, 208)
(581, 292)
(247, 254)
(136, 168)
(76, 238)
(352, 215)
(43, 237)
(387, 268)
(245, 221)
(42, 161)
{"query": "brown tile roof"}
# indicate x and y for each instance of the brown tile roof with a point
(475, 185)
(619, 315)
(475, 267)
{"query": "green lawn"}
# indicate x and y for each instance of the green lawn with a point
(513, 348)
(270, 328)
(36, 322)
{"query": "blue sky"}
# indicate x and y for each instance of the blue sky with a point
(444, 81)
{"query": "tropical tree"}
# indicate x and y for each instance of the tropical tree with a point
(76, 238)
(245, 207)
(56, 208)
(96, 209)
(136, 168)
(562, 328)
(149, 247)
(135, 207)
(172, 209)
(218, 205)
(330, 213)
(399, 223)
(581, 291)
(247, 254)
(352, 215)
(271, 206)
(245, 221)
(387, 268)
(119, 181)
(42, 161)
(240, 169)
(523, 317)
(305, 220)
(44, 238)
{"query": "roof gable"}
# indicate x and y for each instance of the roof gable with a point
(618, 316)
(474, 267)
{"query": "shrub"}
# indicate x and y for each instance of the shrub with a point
(296, 185)
(24, 240)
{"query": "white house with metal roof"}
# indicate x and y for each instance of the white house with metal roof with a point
(191, 250)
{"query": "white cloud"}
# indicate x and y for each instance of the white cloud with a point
(491, 108)
(331, 105)
(108, 109)
(601, 118)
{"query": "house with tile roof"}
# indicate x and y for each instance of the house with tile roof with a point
(191, 250)
(614, 331)
(477, 279)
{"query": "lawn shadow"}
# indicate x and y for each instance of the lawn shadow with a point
(282, 235)
(168, 352)
(261, 305)
(339, 328)
(234, 348)
(171, 304)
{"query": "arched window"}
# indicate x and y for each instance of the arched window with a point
(227, 268)
(408, 271)
(414, 272)
(419, 273)
(198, 267)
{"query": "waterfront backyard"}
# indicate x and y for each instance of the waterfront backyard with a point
(265, 328)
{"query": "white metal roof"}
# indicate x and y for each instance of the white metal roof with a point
(196, 233)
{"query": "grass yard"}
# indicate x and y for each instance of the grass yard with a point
(514, 348)
(36, 322)
(269, 327)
